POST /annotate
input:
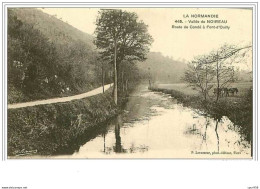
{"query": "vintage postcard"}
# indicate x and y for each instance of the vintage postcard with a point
(130, 82)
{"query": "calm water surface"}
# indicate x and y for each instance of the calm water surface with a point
(153, 125)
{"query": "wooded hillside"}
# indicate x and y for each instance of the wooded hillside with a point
(47, 57)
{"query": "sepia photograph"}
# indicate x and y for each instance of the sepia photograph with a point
(130, 83)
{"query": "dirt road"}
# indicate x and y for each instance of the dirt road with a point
(62, 99)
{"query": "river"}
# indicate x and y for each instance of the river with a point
(154, 125)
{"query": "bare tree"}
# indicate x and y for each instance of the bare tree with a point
(199, 75)
(216, 67)
(223, 60)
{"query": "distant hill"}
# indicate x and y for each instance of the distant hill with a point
(167, 70)
(162, 69)
(244, 76)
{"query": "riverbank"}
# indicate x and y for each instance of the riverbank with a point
(240, 111)
(149, 117)
(58, 128)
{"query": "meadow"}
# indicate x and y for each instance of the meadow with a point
(242, 87)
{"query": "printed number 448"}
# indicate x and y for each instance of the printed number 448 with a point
(178, 21)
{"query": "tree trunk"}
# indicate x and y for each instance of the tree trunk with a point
(126, 86)
(115, 74)
(103, 78)
(216, 130)
(149, 78)
(122, 81)
(110, 77)
(206, 83)
(218, 92)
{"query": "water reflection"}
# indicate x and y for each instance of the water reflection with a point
(104, 136)
(118, 123)
(216, 130)
(204, 136)
(118, 147)
(153, 125)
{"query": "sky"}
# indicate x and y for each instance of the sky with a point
(180, 44)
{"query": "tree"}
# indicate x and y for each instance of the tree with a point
(199, 75)
(120, 36)
(216, 67)
(223, 61)
(102, 70)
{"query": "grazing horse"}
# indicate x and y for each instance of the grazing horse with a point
(221, 91)
(225, 92)
(233, 91)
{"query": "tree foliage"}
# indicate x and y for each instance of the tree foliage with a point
(121, 38)
(131, 36)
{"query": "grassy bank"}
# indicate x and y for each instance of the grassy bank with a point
(239, 111)
(58, 128)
